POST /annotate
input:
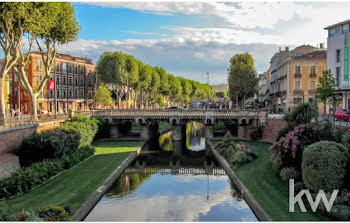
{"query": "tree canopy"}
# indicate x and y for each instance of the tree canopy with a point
(325, 91)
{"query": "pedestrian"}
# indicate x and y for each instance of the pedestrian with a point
(12, 112)
(18, 114)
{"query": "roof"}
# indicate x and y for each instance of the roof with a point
(315, 55)
(69, 57)
(337, 24)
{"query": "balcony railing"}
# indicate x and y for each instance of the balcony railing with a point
(298, 92)
(313, 91)
(297, 75)
(312, 75)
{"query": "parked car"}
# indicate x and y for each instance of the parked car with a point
(341, 114)
(176, 108)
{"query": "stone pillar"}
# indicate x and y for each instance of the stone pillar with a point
(114, 132)
(179, 132)
(240, 132)
(209, 131)
(144, 132)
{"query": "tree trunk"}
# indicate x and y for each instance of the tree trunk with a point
(2, 101)
(325, 108)
(33, 107)
(237, 102)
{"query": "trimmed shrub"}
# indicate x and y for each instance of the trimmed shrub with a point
(104, 129)
(86, 131)
(256, 132)
(54, 213)
(28, 178)
(346, 139)
(339, 132)
(323, 166)
(289, 173)
(324, 130)
(276, 163)
(340, 212)
(302, 114)
(282, 133)
(298, 186)
(289, 149)
(51, 144)
(90, 121)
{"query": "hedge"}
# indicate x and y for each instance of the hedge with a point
(28, 178)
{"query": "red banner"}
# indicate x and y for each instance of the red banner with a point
(126, 89)
(51, 85)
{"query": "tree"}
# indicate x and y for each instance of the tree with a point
(55, 24)
(145, 76)
(103, 96)
(325, 91)
(221, 94)
(242, 78)
(13, 22)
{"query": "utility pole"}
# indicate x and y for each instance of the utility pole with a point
(208, 91)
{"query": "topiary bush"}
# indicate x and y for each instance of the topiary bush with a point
(54, 213)
(289, 149)
(338, 134)
(50, 144)
(346, 139)
(340, 212)
(323, 166)
(289, 173)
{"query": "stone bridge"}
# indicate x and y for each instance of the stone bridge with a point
(149, 119)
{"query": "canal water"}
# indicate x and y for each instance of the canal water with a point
(178, 181)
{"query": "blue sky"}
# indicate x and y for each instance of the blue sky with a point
(192, 38)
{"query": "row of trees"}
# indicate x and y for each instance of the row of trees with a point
(151, 86)
(39, 25)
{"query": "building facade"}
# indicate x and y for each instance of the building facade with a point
(338, 58)
(264, 87)
(75, 81)
(294, 76)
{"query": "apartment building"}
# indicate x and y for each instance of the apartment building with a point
(75, 81)
(294, 76)
(264, 87)
(338, 58)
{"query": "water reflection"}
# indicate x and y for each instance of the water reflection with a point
(176, 181)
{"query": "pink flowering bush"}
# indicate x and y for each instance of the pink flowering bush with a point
(288, 151)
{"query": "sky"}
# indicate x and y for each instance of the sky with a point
(190, 39)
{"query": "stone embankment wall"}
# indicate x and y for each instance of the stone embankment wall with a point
(270, 131)
(11, 139)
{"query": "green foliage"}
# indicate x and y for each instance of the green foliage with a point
(340, 212)
(161, 101)
(221, 94)
(289, 173)
(256, 132)
(54, 213)
(235, 153)
(302, 114)
(323, 165)
(346, 139)
(51, 144)
(282, 133)
(36, 174)
(326, 89)
(242, 78)
(338, 135)
(6, 213)
(103, 96)
(104, 129)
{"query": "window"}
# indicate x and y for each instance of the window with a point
(335, 31)
(337, 73)
(64, 93)
(40, 107)
(82, 93)
(64, 80)
(345, 28)
(81, 82)
(337, 54)
(58, 93)
(297, 101)
(39, 78)
(297, 85)
(70, 93)
(57, 79)
(70, 81)
(313, 70)
(76, 69)
(89, 82)
(76, 93)
(297, 69)
(82, 70)
(64, 68)
(70, 68)
(76, 81)
(312, 85)
(90, 95)
(40, 64)
(51, 94)
(58, 67)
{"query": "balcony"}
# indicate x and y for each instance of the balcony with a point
(300, 92)
(312, 91)
(297, 75)
(312, 75)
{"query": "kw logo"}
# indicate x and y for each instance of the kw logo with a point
(314, 204)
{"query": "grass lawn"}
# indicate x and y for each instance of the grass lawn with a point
(73, 187)
(269, 190)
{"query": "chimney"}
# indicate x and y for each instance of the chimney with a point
(321, 45)
(286, 48)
